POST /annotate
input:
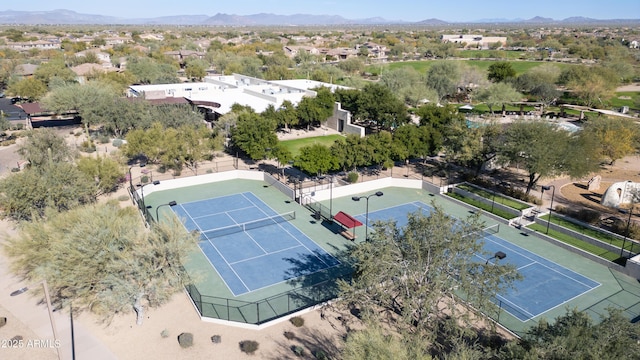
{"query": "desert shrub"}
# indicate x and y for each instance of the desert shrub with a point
(165, 334)
(117, 143)
(352, 177)
(298, 350)
(103, 139)
(144, 179)
(620, 227)
(209, 171)
(297, 321)
(249, 346)
(216, 339)
(320, 355)
(14, 170)
(177, 172)
(123, 197)
(587, 215)
(3, 321)
(560, 209)
(87, 146)
(8, 142)
(289, 335)
(185, 340)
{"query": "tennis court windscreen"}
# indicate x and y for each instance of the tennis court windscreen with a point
(236, 228)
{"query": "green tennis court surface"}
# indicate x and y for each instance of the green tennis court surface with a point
(249, 244)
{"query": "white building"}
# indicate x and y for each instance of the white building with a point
(218, 93)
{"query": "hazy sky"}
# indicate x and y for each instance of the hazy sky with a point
(408, 10)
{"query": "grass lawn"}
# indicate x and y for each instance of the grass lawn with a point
(598, 251)
(423, 66)
(496, 54)
(498, 198)
(296, 144)
(481, 205)
(629, 99)
(604, 237)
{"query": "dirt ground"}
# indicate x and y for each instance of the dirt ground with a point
(322, 330)
(577, 192)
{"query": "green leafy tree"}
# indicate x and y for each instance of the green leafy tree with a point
(59, 186)
(282, 154)
(192, 146)
(438, 119)
(374, 343)
(443, 77)
(315, 110)
(351, 152)
(147, 142)
(94, 101)
(498, 94)
(378, 103)
(254, 134)
(150, 71)
(55, 69)
(413, 141)
(351, 66)
(591, 85)
(102, 259)
(501, 71)
(576, 336)
(616, 138)
(106, 172)
(44, 147)
(316, 159)
(412, 277)
(473, 146)
(28, 88)
(544, 150)
(196, 69)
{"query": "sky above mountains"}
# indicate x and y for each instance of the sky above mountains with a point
(404, 10)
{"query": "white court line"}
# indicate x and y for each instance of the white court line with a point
(263, 255)
(295, 238)
(503, 299)
(226, 212)
(219, 253)
(551, 261)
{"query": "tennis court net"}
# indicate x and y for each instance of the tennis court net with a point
(493, 229)
(254, 224)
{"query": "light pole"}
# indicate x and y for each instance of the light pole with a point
(493, 199)
(49, 309)
(498, 255)
(131, 177)
(331, 198)
(366, 225)
(143, 205)
(626, 233)
(170, 203)
(553, 193)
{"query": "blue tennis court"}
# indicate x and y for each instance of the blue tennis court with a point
(545, 284)
(249, 244)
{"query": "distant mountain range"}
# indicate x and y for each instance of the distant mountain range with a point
(60, 17)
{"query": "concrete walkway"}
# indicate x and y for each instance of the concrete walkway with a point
(27, 309)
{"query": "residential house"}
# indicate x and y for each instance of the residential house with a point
(83, 71)
(104, 58)
(475, 41)
(374, 50)
(293, 50)
(25, 70)
(29, 45)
